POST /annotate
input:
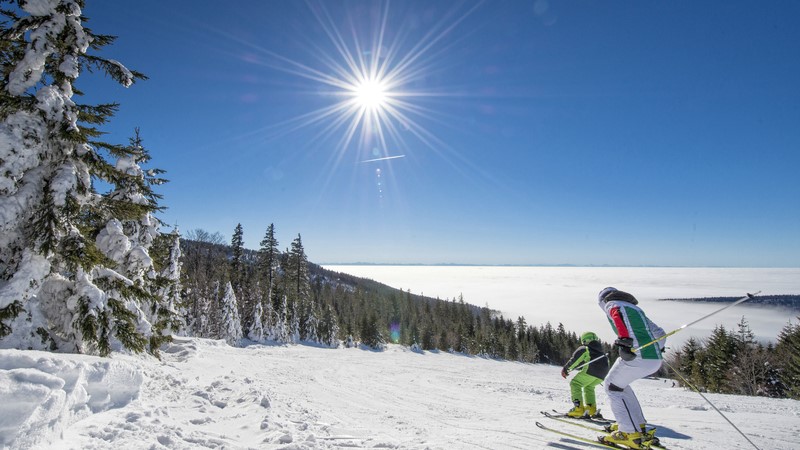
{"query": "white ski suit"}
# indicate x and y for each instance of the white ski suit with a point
(629, 321)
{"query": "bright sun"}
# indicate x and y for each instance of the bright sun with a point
(370, 94)
(369, 79)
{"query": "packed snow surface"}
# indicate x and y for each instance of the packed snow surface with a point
(205, 394)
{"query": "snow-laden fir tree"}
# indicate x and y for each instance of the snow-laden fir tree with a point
(231, 324)
(281, 331)
(169, 315)
(210, 321)
(311, 324)
(330, 328)
(269, 320)
(150, 259)
(268, 263)
(72, 277)
(257, 332)
(238, 276)
(788, 348)
(298, 280)
(237, 252)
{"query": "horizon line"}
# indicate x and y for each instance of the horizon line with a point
(552, 265)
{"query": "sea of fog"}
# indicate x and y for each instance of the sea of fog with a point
(568, 294)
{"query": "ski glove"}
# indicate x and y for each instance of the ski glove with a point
(564, 373)
(625, 351)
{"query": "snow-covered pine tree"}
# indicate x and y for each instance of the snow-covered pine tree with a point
(311, 324)
(231, 324)
(58, 288)
(211, 316)
(269, 320)
(257, 332)
(150, 260)
(237, 252)
(720, 351)
(298, 284)
(330, 327)
(370, 332)
(788, 350)
(238, 277)
(268, 262)
(281, 329)
(171, 314)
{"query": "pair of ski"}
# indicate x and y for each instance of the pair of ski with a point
(597, 425)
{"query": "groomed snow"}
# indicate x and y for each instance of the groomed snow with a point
(205, 394)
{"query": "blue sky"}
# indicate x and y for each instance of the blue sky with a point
(533, 132)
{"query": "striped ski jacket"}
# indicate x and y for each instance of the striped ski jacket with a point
(629, 321)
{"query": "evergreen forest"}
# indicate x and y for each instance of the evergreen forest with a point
(282, 297)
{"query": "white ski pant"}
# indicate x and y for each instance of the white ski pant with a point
(624, 403)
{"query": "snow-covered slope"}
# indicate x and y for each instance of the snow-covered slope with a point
(205, 394)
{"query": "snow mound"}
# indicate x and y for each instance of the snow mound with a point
(41, 394)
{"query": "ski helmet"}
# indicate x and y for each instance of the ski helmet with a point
(605, 292)
(621, 296)
(588, 337)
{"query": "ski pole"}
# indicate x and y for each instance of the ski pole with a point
(687, 325)
(685, 381)
(604, 355)
(743, 299)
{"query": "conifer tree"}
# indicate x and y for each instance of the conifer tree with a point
(237, 250)
(257, 333)
(268, 262)
(171, 313)
(330, 327)
(788, 350)
(298, 288)
(688, 357)
(298, 284)
(212, 319)
(59, 287)
(281, 332)
(238, 276)
(749, 367)
(720, 350)
(269, 319)
(370, 332)
(311, 324)
(152, 261)
(231, 324)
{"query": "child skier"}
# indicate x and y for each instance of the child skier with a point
(633, 330)
(582, 385)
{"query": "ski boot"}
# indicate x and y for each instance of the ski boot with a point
(594, 413)
(577, 411)
(634, 440)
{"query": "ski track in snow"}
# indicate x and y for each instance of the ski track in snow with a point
(205, 394)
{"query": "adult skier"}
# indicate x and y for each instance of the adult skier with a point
(583, 383)
(633, 330)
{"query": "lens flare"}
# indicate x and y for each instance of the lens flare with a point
(394, 332)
